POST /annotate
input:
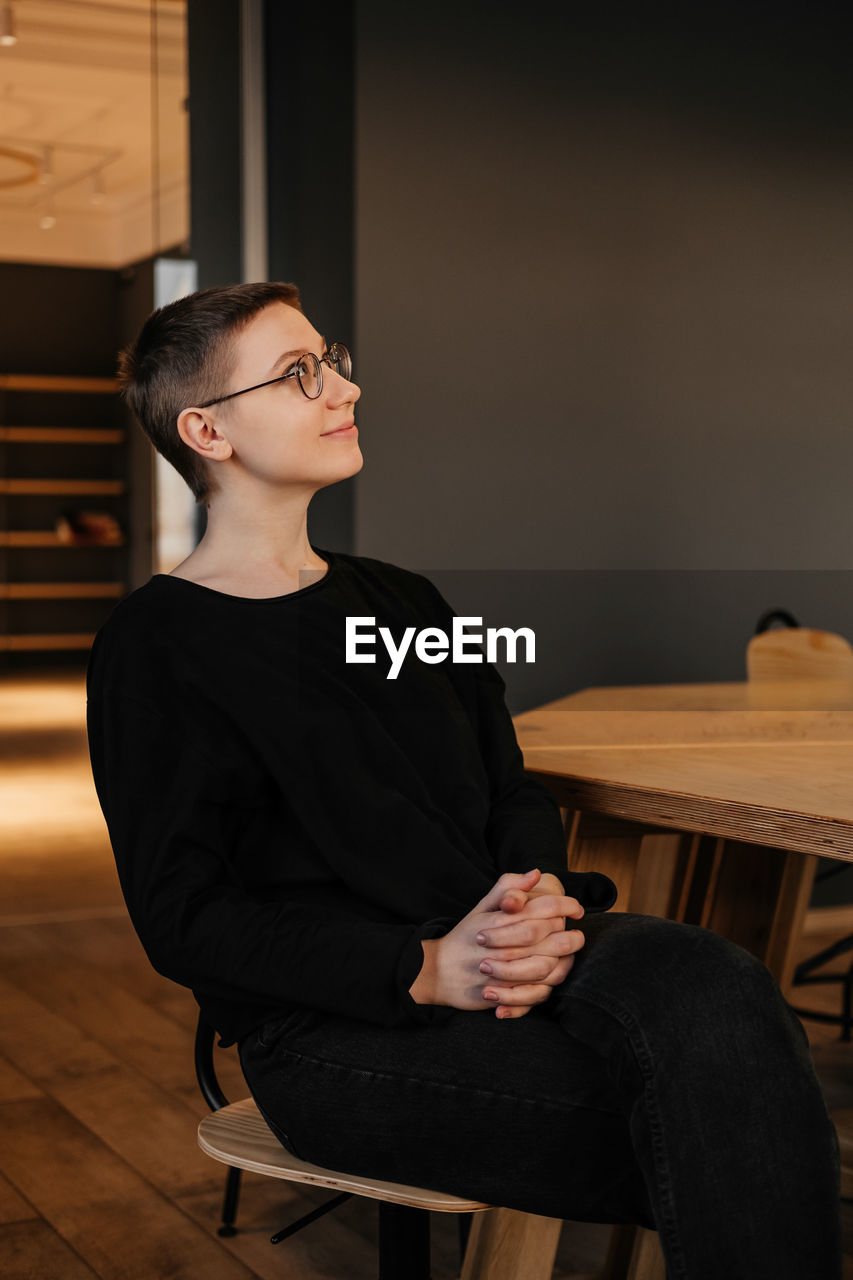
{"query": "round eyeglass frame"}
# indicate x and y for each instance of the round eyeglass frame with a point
(337, 357)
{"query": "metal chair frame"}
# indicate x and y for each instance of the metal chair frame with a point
(404, 1239)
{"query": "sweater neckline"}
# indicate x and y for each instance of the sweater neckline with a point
(329, 556)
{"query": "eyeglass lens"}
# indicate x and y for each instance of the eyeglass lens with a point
(309, 371)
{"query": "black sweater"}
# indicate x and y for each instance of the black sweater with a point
(288, 827)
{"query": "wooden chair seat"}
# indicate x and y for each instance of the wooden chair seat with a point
(505, 1244)
(239, 1136)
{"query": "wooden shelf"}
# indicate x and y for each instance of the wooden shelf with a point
(62, 486)
(46, 538)
(31, 642)
(41, 382)
(51, 596)
(60, 435)
(60, 590)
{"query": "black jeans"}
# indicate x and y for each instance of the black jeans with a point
(666, 1083)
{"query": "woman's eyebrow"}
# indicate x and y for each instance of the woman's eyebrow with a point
(289, 355)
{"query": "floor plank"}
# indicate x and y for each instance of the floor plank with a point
(110, 943)
(330, 1247)
(13, 1206)
(34, 1251)
(93, 1001)
(139, 1121)
(113, 1218)
(14, 1084)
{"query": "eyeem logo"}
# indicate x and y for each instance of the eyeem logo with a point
(432, 645)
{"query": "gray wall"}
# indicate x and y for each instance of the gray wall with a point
(603, 318)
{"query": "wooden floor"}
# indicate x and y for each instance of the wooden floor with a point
(100, 1175)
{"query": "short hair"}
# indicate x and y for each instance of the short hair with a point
(183, 356)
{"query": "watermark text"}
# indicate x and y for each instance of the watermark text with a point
(432, 645)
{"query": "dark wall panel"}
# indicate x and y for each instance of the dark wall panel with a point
(310, 78)
(604, 286)
(135, 303)
(59, 320)
(213, 30)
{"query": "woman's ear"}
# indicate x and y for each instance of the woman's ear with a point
(197, 428)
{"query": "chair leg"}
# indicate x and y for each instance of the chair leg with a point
(635, 1254)
(464, 1222)
(647, 1262)
(508, 1245)
(404, 1245)
(229, 1204)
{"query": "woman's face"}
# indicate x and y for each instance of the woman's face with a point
(277, 435)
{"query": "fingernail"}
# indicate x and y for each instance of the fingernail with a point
(490, 995)
(485, 967)
(481, 938)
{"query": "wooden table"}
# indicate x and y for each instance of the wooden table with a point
(706, 803)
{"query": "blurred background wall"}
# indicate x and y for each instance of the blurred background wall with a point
(603, 287)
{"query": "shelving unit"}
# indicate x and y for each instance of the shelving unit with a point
(59, 590)
(81, 487)
(61, 452)
(41, 538)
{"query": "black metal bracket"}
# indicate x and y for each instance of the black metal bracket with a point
(310, 1217)
(804, 976)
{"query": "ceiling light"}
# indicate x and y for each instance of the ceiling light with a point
(7, 26)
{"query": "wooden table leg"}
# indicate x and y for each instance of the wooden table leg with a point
(607, 845)
(635, 1254)
(756, 897)
(647, 867)
(507, 1245)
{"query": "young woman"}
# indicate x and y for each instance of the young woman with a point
(365, 891)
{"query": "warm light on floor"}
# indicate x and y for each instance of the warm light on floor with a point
(46, 788)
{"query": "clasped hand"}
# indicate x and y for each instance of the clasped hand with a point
(508, 953)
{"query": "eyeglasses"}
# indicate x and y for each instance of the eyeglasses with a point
(308, 372)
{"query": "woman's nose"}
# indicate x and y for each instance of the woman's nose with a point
(342, 390)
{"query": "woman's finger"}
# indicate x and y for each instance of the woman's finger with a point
(560, 971)
(534, 968)
(540, 904)
(562, 942)
(522, 932)
(513, 901)
(516, 1011)
(524, 993)
(509, 880)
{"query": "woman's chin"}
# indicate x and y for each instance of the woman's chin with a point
(343, 468)
(356, 461)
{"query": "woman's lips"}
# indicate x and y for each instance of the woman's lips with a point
(348, 429)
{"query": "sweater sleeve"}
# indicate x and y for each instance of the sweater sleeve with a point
(524, 828)
(174, 849)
